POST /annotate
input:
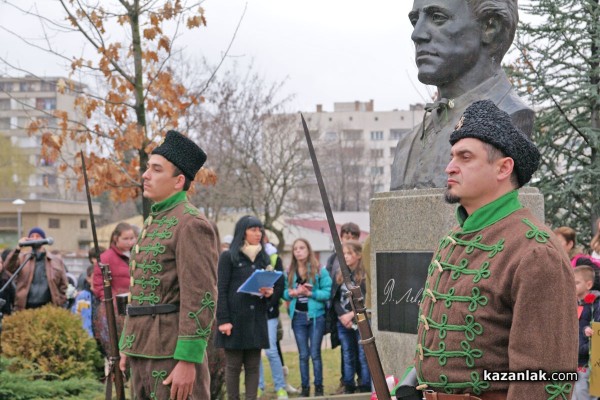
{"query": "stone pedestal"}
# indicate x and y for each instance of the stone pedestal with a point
(411, 222)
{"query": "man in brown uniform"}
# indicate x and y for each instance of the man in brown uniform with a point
(500, 294)
(173, 282)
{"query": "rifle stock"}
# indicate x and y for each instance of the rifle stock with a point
(355, 294)
(113, 357)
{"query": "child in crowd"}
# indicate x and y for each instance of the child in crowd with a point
(354, 360)
(588, 310)
(83, 303)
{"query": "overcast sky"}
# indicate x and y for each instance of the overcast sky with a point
(327, 51)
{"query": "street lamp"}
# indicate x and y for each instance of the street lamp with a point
(19, 204)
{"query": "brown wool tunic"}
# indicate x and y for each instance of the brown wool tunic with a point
(174, 262)
(500, 296)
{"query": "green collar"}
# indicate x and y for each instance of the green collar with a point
(169, 203)
(488, 214)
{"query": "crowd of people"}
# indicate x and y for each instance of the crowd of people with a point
(172, 267)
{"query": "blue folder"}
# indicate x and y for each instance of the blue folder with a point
(259, 279)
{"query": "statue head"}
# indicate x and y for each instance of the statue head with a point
(458, 38)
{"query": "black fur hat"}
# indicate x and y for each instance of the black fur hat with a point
(483, 120)
(183, 152)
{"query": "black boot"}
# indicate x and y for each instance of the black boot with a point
(349, 389)
(318, 390)
(305, 391)
(365, 388)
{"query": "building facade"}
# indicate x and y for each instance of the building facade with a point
(356, 147)
(28, 99)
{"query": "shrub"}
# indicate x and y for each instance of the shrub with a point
(20, 386)
(51, 342)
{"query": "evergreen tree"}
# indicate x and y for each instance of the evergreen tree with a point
(557, 68)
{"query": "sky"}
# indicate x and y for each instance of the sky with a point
(325, 51)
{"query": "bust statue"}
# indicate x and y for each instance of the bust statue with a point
(459, 46)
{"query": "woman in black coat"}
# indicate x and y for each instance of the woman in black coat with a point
(242, 317)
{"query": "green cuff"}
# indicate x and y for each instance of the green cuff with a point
(190, 349)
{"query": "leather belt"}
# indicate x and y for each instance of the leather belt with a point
(135, 311)
(495, 395)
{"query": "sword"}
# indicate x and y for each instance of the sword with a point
(114, 356)
(355, 294)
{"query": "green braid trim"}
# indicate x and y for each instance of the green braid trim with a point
(167, 222)
(536, 233)
(152, 266)
(471, 328)
(475, 300)
(475, 243)
(467, 352)
(462, 269)
(153, 282)
(191, 210)
(207, 303)
(151, 298)
(155, 249)
(128, 341)
(158, 376)
(558, 390)
(477, 386)
(160, 235)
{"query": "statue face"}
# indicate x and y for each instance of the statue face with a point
(447, 40)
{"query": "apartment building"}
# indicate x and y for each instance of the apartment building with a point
(356, 144)
(29, 98)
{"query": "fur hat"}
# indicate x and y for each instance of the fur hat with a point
(182, 152)
(483, 120)
(37, 230)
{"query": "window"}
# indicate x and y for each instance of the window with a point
(6, 86)
(8, 222)
(4, 104)
(26, 86)
(49, 179)
(352, 134)
(54, 223)
(4, 123)
(378, 187)
(395, 134)
(45, 104)
(330, 136)
(376, 153)
(48, 87)
(83, 223)
(376, 135)
(375, 171)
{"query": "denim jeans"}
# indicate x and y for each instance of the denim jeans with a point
(274, 360)
(309, 335)
(351, 350)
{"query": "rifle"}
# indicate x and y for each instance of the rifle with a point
(355, 294)
(114, 356)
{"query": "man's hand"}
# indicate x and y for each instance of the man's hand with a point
(123, 362)
(182, 380)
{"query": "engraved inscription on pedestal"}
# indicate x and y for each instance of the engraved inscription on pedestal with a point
(400, 280)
